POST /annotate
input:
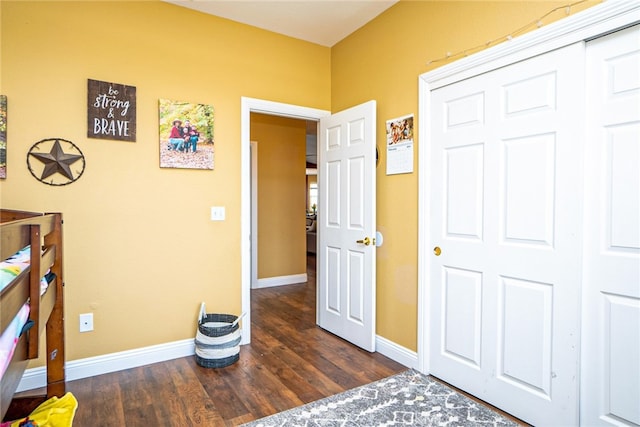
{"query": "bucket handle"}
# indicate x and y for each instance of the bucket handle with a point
(203, 312)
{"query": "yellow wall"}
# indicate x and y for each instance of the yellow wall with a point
(383, 61)
(281, 195)
(140, 250)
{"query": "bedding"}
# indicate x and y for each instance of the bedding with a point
(14, 265)
(11, 335)
(38, 302)
(9, 270)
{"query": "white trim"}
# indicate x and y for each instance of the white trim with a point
(281, 280)
(92, 366)
(104, 364)
(586, 25)
(254, 214)
(424, 181)
(396, 352)
(248, 106)
(590, 23)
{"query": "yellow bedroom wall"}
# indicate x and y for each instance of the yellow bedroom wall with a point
(281, 147)
(383, 61)
(140, 250)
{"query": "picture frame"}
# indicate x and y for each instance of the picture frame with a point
(186, 135)
(3, 136)
(111, 111)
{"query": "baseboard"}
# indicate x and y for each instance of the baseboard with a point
(92, 366)
(281, 280)
(396, 352)
(84, 368)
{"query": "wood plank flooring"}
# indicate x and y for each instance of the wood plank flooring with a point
(289, 362)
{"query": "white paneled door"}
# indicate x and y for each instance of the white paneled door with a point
(346, 251)
(611, 331)
(505, 191)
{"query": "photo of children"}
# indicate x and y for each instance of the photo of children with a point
(186, 135)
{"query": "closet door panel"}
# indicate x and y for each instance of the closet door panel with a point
(505, 226)
(610, 390)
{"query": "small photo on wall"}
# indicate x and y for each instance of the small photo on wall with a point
(3, 136)
(186, 135)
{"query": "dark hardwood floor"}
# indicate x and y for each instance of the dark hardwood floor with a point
(289, 362)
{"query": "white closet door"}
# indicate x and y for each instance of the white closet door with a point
(611, 327)
(505, 227)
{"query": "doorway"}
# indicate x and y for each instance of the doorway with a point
(278, 200)
(248, 106)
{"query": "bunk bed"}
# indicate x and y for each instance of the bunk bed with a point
(34, 242)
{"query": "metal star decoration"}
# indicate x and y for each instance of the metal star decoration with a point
(56, 161)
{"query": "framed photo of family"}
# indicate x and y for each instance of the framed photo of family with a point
(186, 135)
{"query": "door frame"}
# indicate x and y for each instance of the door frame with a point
(254, 214)
(248, 106)
(591, 23)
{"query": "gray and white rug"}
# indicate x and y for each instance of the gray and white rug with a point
(406, 399)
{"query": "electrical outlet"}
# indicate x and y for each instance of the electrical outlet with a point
(86, 322)
(217, 213)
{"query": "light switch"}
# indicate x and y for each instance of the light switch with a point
(217, 213)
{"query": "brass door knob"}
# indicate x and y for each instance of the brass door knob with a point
(437, 250)
(366, 241)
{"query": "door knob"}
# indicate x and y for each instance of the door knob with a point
(437, 250)
(366, 241)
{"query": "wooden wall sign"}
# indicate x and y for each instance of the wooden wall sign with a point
(111, 111)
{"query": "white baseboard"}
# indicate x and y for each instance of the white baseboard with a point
(83, 368)
(280, 280)
(396, 352)
(92, 366)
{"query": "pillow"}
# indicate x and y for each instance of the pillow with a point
(312, 227)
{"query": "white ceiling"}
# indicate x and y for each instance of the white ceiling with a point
(324, 22)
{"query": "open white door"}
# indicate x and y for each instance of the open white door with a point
(346, 253)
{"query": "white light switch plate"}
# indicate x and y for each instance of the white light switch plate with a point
(217, 213)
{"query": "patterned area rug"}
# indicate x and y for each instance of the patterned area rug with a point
(406, 399)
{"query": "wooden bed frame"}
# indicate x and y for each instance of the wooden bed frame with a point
(17, 230)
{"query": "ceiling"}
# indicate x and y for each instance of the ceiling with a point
(324, 22)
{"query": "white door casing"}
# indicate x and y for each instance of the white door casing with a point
(254, 214)
(346, 253)
(611, 317)
(505, 296)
